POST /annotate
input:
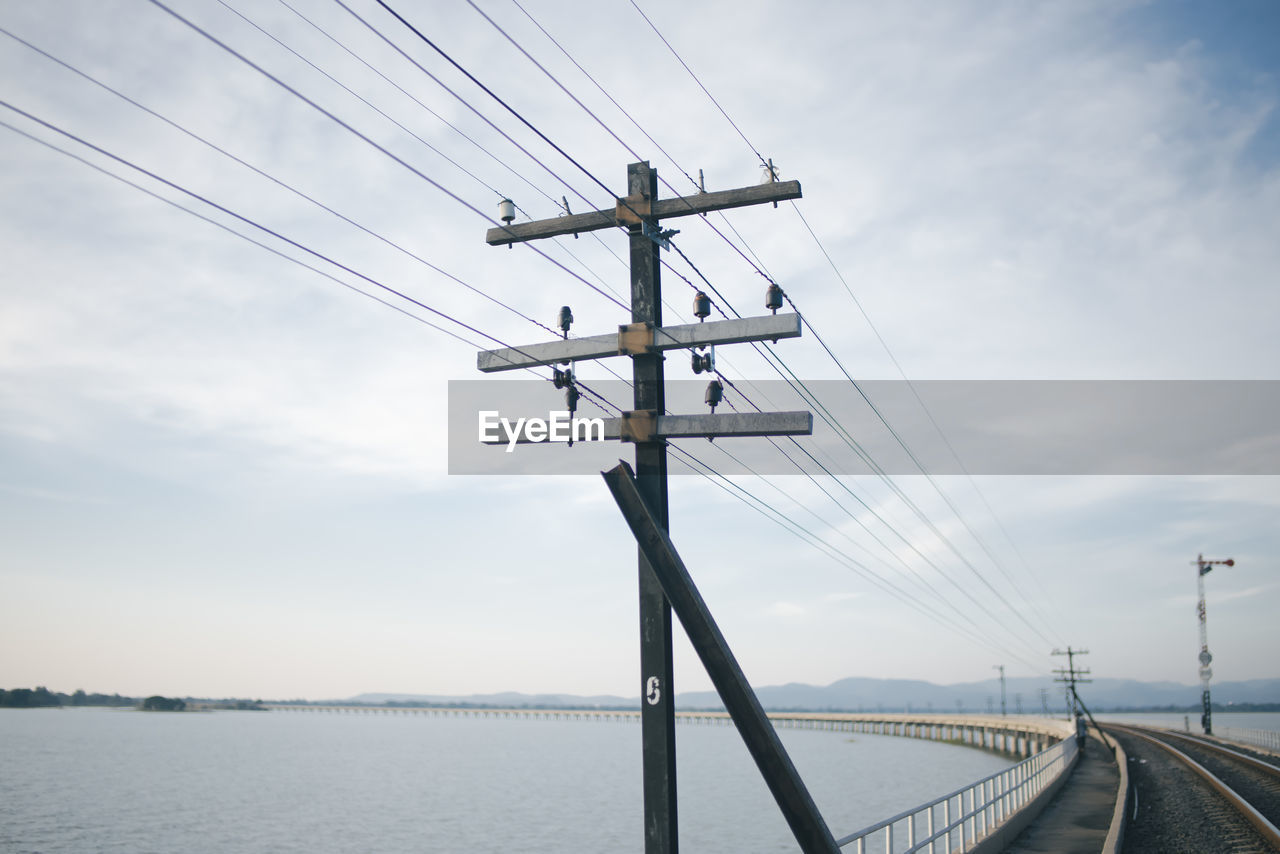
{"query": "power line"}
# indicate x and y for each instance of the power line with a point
(362, 99)
(287, 187)
(238, 234)
(866, 458)
(553, 79)
(699, 82)
(797, 384)
(764, 274)
(246, 220)
(612, 100)
(497, 98)
(698, 185)
(350, 129)
(933, 421)
(464, 102)
(915, 575)
(284, 185)
(878, 516)
(586, 390)
(307, 266)
(419, 102)
(588, 173)
(491, 94)
(512, 110)
(796, 529)
(914, 459)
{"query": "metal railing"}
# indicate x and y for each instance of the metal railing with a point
(956, 821)
(1269, 739)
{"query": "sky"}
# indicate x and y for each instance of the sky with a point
(225, 474)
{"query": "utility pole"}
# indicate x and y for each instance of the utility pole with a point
(1206, 672)
(1004, 711)
(1071, 675)
(649, 427)
(658, 737)
(1044, 701)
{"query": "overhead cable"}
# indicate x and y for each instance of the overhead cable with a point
(350, 129)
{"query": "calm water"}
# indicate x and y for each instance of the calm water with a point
(101, 780)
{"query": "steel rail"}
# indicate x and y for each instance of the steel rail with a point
(1213, 746)
(1246, 809)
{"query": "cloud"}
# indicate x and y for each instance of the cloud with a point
(787, 610)
(1010, 190)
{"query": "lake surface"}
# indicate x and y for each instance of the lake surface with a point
(108, 780)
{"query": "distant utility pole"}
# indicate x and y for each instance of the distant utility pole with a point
(1071, 675)
(1206, 672)
(1017, 702)
(1004, 711)
(649, 427)
(1044, 701)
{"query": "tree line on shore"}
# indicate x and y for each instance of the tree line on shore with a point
(42, 697)
(33, 698)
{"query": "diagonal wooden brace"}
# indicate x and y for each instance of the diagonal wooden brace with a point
(780, 775)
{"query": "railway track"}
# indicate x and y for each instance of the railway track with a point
(1192, 795)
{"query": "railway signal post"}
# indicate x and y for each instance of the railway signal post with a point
(1206, 672)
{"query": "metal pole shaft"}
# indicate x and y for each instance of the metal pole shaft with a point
(798, 808)
(657, 718)
(1206, 705)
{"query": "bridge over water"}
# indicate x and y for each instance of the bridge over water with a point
(1084, 781)
(981, 817)
(1016, 735)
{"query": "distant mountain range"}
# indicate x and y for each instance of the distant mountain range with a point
(870, 695)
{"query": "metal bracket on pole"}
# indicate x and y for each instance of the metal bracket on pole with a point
(638, 425)
(658, 235)
(635, 338)
(797, 806)
(632, 210)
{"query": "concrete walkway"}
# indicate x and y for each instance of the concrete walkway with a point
(1076, 821)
